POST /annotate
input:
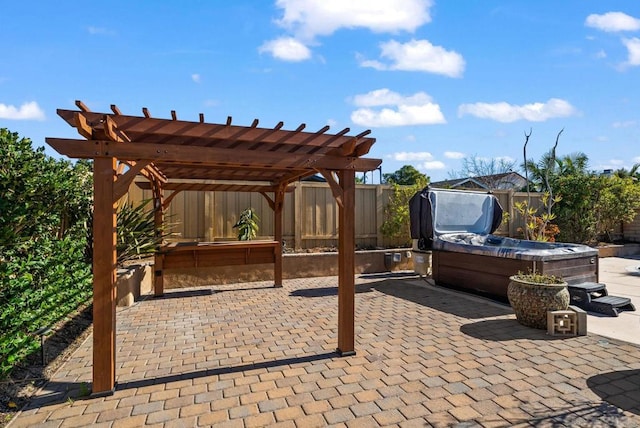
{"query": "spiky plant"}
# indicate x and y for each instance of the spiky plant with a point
(247, 225)
(137, 234)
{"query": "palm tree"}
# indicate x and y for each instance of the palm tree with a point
(574, 163)
(633, 173)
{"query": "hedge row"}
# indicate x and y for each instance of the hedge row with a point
(45, 275)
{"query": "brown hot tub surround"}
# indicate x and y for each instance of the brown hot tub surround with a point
(456, 226)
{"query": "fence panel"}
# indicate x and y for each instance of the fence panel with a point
(310, 215)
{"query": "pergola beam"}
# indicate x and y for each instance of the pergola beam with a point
(207, 156)
(217, 187)
(217, 132)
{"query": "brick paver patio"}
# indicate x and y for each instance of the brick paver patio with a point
(249, 355)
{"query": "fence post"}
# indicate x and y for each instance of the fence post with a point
(379, 215)
(209, 222)
(297, 216)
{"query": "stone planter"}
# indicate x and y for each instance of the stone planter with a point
(132, 282)
(531, 301)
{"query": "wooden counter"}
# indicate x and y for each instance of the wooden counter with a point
(179, 255)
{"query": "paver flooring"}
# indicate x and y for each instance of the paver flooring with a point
(248, 355)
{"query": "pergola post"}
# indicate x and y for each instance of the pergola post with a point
(277, 227)
(104, 276)
(158, 259)
(346, 264)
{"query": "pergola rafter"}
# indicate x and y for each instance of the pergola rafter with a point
(177, 155)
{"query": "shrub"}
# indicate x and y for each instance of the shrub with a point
(44, 275)
(396, 223)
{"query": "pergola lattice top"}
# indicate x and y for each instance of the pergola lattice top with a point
(200, 151)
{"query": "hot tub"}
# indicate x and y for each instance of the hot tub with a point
(457, 227)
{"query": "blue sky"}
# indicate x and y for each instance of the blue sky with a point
(435, 81)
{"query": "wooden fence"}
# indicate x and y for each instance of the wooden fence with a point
(310, 215)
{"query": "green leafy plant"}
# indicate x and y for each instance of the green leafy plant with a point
(617, 203)
(396, 212)
(247, 225)
(407, 175)
(44, 211)
(137, 235)
(538, 278)
(538, 227)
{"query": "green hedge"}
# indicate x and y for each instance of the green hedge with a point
(42, 282)
(45, 206)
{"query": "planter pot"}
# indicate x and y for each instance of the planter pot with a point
(531, 301)
(132, 282)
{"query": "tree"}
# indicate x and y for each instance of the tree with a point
(488, 171)
(552, 167)
(633, 172)
(396, 223)
(617, 203)
(575, 213)
(407, 175)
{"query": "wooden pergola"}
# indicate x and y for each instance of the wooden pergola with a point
(214, 157)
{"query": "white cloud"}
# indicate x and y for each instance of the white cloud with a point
(602, 138)
(613, 22)
(505, 112)
(616, 162)
(601, 54)
(196, 77)
(411, 156)
(417, 109)
(27, 111)
(286, 49)
(633, 48)
(384, 96)
(624, 124)
(454, 155)
(404, 115)
(636, 159)
(505, 159)
(100, 31)
(332, 122)
(310, 18)
(418, 55)
(432, 165)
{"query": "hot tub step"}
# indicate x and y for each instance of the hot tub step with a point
(610, 305)
(582, 294)
(593, 296)
(589, 286)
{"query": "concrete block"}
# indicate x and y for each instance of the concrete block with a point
(582, 320)
(562, 323)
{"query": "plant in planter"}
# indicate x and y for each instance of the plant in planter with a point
(533, 294)
(247, 225)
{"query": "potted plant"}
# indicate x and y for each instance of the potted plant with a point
(247, 225)
(533, 294)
